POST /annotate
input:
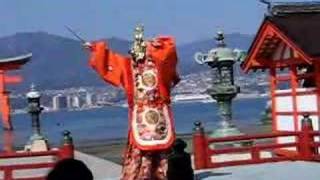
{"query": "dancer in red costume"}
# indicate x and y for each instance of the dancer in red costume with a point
(147, 77)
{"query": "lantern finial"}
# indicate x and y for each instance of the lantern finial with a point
(220, 39)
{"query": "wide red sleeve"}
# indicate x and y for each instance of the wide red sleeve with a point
(170, 58)
(109, 65)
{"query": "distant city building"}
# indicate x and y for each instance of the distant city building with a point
(75, 102)
(100, 99)
(59, 102)
(91, 99)
(69, 101)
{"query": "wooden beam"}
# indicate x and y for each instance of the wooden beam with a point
(294, 86)
(12, 79)
(281, 62)
(299, 93)
(290, 43)
(258, 41)
(273, 87)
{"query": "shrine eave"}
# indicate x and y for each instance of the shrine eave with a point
(285, 40)
(14, 62)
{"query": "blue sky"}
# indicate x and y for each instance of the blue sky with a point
(187, 20)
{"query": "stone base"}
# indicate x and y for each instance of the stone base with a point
(37, 146)
(225, 132)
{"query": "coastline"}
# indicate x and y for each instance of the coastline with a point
(192, 98)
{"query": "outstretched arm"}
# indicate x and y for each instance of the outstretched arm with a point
(109, 65)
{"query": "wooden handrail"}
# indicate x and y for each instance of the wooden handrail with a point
(252, 137)
(6, 155)
(305, 146)
(8, 170)
(248, 149)
(65, 151)
(27, 166)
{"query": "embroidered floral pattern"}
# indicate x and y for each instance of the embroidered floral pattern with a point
(140, 165)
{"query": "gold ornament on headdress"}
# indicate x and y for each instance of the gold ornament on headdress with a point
(138, 49)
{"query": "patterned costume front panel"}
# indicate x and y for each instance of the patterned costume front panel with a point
(151, 121)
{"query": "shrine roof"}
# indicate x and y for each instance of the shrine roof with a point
(289, 31)
(14, 63)
(17, 59)
(301, 28)
(281, 8)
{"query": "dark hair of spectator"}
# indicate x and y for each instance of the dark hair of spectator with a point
(179, 145)
(70, 169)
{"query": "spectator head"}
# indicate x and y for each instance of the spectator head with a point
(179, 145)
(69, 169)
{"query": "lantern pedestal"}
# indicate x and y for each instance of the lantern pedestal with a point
(225, 131)
(37, 145)
(224, 95)
(266, 117)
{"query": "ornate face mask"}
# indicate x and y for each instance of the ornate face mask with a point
(138, 49)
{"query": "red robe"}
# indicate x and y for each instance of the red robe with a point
(116, 69)
(158, 75)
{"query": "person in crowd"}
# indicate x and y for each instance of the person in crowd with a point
(179, 162)
(70, 169)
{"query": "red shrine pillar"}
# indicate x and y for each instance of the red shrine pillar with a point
(5, 103)
(5, 98)
(8, 138)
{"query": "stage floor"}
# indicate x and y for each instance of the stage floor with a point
(293, 170)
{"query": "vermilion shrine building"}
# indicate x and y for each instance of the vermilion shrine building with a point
(288, 45)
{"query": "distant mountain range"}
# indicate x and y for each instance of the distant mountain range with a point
(60, 62)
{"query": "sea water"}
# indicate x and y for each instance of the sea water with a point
(111, 122)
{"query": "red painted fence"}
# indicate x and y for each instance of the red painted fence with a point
(65, 151)
(306, 147)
